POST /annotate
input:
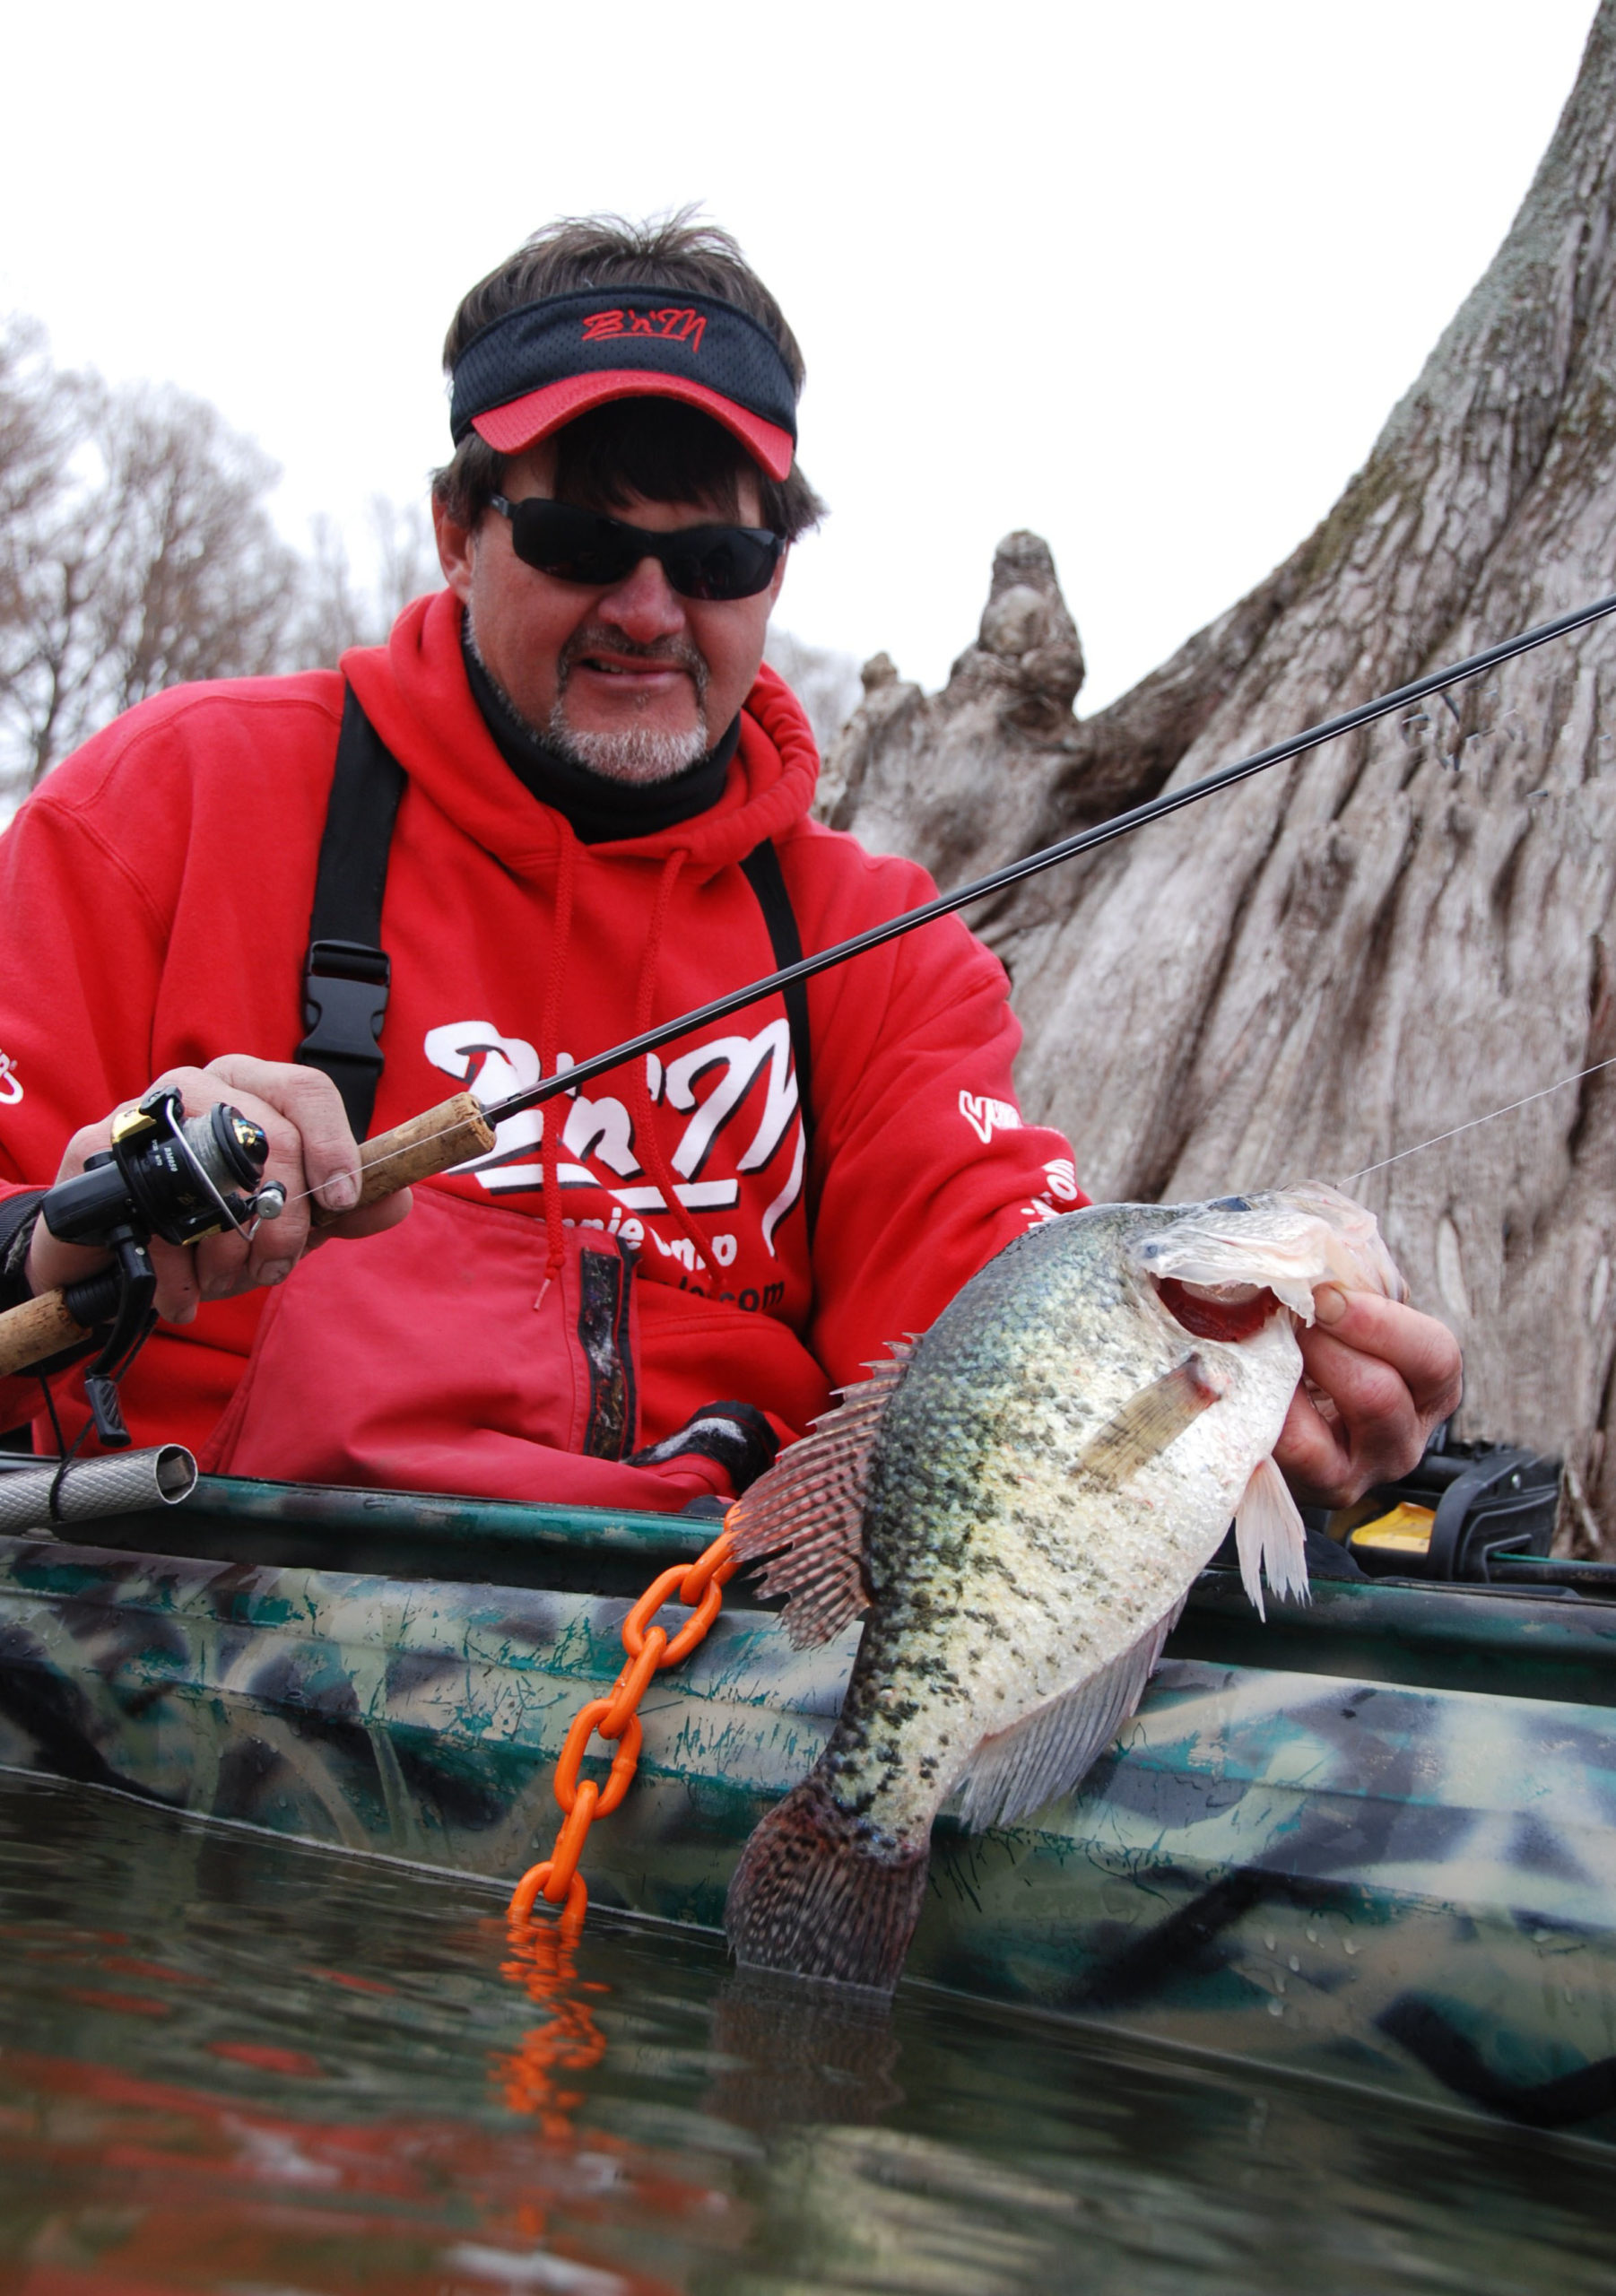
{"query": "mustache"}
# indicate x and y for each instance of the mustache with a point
(669, 653)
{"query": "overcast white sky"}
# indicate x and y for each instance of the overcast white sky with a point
(1145, 278)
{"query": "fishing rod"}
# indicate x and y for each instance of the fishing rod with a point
(462, 1128)
(1049, 856)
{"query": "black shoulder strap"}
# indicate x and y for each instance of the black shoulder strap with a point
(346, 977)
(763, 873)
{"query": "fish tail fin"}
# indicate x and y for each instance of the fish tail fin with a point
(823, 1893)
(1270, 1536)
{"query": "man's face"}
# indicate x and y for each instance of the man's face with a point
(638, 682)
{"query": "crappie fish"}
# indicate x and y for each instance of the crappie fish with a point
(1021, 1500)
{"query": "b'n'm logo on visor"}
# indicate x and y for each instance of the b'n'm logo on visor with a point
(672, 326)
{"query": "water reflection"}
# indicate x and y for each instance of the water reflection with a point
(544, 1962)
(793, 2050)
(234, 2064)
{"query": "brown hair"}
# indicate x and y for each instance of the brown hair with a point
(648, 446)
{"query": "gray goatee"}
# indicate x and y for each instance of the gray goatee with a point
(638, 755)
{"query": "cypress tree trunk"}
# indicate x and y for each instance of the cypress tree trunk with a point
(1406, 929)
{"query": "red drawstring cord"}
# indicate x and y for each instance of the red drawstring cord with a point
(553, 1120)
(645, 1120)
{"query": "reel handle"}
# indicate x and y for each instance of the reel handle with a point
(428, 1143)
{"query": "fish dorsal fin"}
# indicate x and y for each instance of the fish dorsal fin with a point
(807, 1513)
(1149, 1422)
(1021, 1769)
(1271, 1537)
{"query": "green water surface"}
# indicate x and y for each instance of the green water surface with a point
(232, 2062)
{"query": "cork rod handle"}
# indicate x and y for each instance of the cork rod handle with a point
(38, 1329)
(450, 1133)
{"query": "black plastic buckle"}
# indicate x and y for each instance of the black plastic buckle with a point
(345, 987)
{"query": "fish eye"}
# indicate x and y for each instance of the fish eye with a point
(1229, 1204)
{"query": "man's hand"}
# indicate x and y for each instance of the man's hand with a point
(310, 1149)
(1377, 1379)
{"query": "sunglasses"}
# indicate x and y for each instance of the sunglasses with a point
(578, 546)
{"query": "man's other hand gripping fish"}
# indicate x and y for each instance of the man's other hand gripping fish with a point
(1020, 1502)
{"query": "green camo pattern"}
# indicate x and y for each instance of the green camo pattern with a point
(1389, 1855)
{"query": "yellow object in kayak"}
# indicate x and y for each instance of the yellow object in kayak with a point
(1405, 1530)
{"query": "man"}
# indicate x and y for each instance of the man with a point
(604, 822)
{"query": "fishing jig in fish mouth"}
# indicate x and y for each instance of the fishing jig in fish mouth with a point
(1018, 1503)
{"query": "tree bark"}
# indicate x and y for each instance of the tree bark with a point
(1405, 929)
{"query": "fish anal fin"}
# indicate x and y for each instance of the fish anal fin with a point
(1021, 1769)
(1149, 1422)
(1270, 1537)
(806, 1514)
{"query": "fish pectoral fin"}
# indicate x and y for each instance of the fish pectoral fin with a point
(1149, 1422)
(1021, 1769)
(807, 1513)
(1270, 1536)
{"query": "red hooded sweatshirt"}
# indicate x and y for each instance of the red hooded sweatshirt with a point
(655, 1243)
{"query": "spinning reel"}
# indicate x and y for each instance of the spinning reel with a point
(165, 1174)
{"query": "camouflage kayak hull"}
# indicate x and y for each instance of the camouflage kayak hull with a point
(1375, 1840)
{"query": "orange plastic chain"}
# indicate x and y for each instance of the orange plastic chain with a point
(700, 1584)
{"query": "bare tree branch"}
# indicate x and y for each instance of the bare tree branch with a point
(136, 552)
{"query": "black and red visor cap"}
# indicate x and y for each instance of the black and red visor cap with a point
(526, 374)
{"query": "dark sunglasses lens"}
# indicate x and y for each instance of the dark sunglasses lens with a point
(575, 545)
(702, 562)
(722, 561)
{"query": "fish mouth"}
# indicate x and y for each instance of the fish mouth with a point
(1227, 1311)
(1294, 1239)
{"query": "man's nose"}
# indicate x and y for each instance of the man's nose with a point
(644, 605)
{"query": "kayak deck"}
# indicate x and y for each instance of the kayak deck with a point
(1374, 1840)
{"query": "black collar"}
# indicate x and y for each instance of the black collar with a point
(601, 811)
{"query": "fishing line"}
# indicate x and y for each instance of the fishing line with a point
(1364, 1170)
(1437, 1139)
(1014, 873)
